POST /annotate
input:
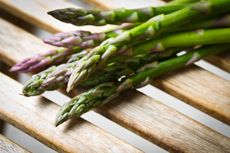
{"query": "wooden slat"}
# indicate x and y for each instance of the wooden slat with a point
(201, 89)
(222, 61)
(35, 116)
(182, 85)
(162, 125)
(5, 69)
(8, 146)
(35, 12)
(143, 115)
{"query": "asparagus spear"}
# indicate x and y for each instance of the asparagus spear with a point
(200, 37)
(60, 75)
(218, 22)
(83, 39)
(116, 16)
(203, 37)
(75, 41)
(51, 78)
(57, 76)
(146, 30)
(86, 101)
(88, 39)
(43, 60)
(71, 39)
(104, 93)
(120, 68)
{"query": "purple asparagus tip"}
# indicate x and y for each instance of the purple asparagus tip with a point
(24, 65)
(67, 39)
(41, 61)
(83, 39)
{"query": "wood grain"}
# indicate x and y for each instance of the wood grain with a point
(14, 44)
(222, 61)
(8, 146)
(162, 125)
(35, 116)
(4, 68)
(143, 115)
(199, 88)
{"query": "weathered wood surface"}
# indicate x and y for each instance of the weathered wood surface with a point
(222, 61)
(143, 115)
(35, 116)
(199, 88)
(4, 68)
(162, 125)
(8, 146)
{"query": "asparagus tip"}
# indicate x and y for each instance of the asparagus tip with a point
(71, 82)
(60, 119)
(74, 80)
(66, 14)
(69, 86)
(13, 69)
(23, 65)
(56, 14)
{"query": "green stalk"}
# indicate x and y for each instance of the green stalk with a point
(104, 93)
(120, 68)
(81, 17)
(57, 76)
(153, 27)
(174, 63)
(150, 29)
(218, 22)
(202, 37)
(84, 39)
(51, 78)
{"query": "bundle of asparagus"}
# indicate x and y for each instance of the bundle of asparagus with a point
(129, 57)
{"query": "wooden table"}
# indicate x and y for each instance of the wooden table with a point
(135, 111)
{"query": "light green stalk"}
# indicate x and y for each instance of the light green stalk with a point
(120, 66)
(98, 57)
(104, 93)
(117, 16)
